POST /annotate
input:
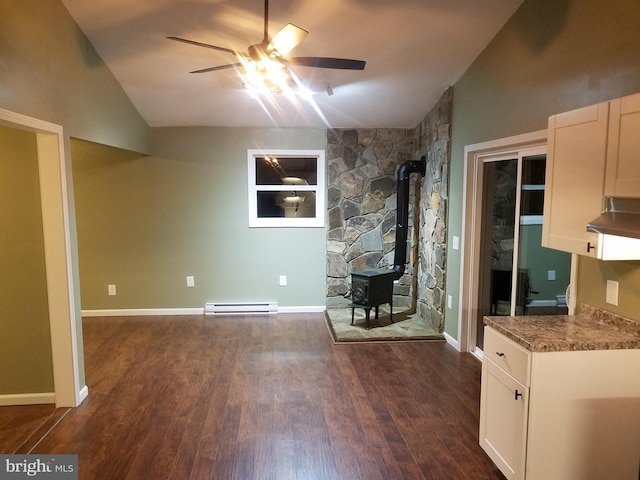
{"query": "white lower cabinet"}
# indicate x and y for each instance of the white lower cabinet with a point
(560, 415)
(504, 403)
(503, 424)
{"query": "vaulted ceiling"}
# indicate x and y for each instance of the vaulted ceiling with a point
(414, 50)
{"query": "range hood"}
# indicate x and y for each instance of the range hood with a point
(618, 229)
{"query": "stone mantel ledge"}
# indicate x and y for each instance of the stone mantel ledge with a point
(590, 329)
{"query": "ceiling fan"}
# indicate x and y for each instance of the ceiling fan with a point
(274, 50)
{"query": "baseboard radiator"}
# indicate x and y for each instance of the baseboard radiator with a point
(240, 308)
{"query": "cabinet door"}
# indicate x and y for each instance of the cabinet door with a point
(574, 184)
(504, 407)
(623, 157)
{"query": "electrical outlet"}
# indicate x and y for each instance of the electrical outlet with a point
(551, 274)
(111, 289)
(283, 280)
(612, 292)
(191, 281)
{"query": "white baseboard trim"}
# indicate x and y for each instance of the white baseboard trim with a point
(542, 303)
(479, 354)
(37, 398)
(452, 341)
(27, 399)
(311, 309)
(83, 394)
(143, 312)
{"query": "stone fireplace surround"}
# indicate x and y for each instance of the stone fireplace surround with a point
(362, 167)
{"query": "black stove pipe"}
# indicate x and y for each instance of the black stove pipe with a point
(402, 213)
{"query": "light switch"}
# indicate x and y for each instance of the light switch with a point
(612, 292)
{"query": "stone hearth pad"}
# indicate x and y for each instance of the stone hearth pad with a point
(405, 326)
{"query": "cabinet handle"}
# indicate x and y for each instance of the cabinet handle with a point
(518, 394)
(590, 247)
(500, 354)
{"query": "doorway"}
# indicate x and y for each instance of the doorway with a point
(60, 286)
(506, 270)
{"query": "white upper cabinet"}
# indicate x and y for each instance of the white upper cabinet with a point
(592, 152)
(574, 183)
(623, 152)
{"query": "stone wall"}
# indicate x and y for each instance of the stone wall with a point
(362, 166)
(362, 171)
(504, 178)
(434, 143)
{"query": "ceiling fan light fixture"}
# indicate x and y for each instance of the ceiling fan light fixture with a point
(273, 72)
(265, 76)
(268, 77)
(265, 68)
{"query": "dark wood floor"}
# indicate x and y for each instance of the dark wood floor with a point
(23, 426)
(267, 397)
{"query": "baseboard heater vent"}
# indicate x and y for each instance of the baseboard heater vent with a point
(240, 308)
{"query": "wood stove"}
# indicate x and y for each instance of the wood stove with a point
(370, 289)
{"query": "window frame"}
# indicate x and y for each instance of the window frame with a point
(317, 221)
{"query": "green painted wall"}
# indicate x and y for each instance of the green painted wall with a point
(50, 71)
(592, 281)
(552, 56)
(539, 260)
(145, 223)
(25, 343)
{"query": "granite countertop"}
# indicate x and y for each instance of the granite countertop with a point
(591, 329)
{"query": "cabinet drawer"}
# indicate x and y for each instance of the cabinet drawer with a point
(508, 355)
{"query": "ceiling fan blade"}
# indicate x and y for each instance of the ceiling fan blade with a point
(221, 67)
(287, 39)
(206, 45)
(327, 62)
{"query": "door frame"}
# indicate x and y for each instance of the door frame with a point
(61, 290)
(474, 156)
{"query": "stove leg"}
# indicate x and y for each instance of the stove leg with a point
(367, 311)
